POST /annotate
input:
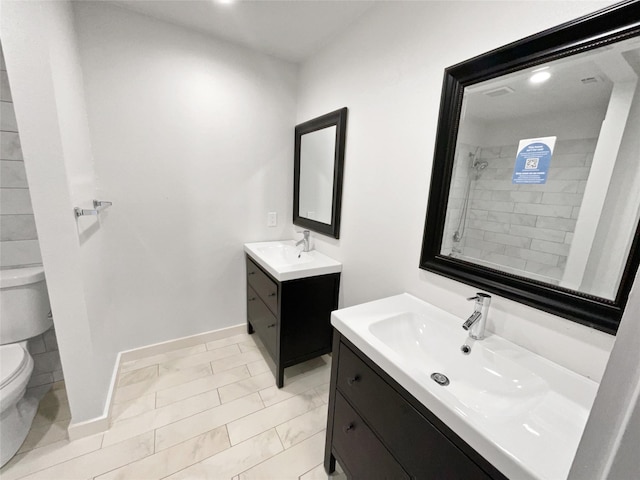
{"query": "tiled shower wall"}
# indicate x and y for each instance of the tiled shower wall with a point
(522, 228)
(19, 245)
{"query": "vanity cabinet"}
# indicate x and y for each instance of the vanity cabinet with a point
(291, 319)
(376, 429)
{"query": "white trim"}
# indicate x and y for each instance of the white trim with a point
(102, 423)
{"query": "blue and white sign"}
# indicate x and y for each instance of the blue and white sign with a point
(533, 160)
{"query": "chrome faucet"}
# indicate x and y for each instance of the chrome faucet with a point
(477, 321)
(305, 241)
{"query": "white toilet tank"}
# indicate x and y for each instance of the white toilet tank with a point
(24, 304)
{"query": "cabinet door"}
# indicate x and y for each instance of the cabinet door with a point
(263, 321)
(264, 286)
(359, 451)
(423, 450)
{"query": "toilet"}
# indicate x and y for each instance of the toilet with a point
(24, 313)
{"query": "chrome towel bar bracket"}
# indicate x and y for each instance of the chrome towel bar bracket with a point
(98, 206)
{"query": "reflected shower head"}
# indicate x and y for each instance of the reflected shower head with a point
(480, 165)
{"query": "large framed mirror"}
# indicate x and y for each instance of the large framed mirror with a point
(535, 188)
(317, 172)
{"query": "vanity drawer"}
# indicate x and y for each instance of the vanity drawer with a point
(360, 453)
(263, 321)
(417, 444)
(266, 288)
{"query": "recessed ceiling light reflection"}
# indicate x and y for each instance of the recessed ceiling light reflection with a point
(540, 76)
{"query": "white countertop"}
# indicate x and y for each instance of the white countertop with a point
(523, 413)
(284, 261)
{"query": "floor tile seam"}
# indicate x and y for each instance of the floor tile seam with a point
(168, 352)
(266, 459)
(198, 413)
(37, 445)
(123, 465)
(199, 393)
(313, 468)
(288, 398)
(149, 392)
(206, 361)
(293, 418)
(121, 374)
(32, 472)
(273, 426)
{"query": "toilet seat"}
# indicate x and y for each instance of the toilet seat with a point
(13, 361)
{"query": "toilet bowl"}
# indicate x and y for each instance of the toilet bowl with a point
(24, 309)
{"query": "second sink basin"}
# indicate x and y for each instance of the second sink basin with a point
(284, 261)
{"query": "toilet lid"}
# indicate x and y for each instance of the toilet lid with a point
(13, 358)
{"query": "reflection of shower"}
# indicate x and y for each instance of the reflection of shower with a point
(476, 166)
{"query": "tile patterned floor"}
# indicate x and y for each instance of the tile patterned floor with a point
(211, 411)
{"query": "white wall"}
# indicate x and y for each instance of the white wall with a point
(40, 52)
(387, 69)
(193, 143)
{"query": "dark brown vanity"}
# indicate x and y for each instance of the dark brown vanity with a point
(376, 429)
(291, 319)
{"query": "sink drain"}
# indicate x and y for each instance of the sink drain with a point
(440, 379)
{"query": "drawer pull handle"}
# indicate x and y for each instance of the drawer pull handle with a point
(347, 428)
(252, 273)
(271, 326)
(354, 379)
(252, 299)
(272, 294)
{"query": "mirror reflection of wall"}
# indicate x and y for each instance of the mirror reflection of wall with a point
(317, 154)
(575, 229)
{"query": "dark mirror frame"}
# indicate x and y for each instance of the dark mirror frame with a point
(612, 24)
(339, 119)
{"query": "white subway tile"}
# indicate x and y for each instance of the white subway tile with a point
(5, 90)
(569, 173)
(546, 270)
(10, 146)
(20, 252)
(489, 226)
(561, 186)
(512, 218)
(517, 196)
(550, 247)
(507, 239)
(15, 201)
(504, 260)
(492, 205)
(18, 227)
(12, 174)
(7, 117)
(536, 232)
(564, 224)
(563, 211)
(573, 199)
(536, 256)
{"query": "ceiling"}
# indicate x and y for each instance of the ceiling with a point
(291, 30)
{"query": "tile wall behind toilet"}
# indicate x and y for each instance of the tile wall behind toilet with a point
(19, 245)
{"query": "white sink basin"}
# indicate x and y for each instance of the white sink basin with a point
(283, 255)
(522, 412)
(491, 386)
(284, 261)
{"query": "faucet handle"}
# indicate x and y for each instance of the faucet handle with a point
(480, 297)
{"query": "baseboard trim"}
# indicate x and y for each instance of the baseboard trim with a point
(102, 423)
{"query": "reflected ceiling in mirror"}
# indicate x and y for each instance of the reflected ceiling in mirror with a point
(540, 162)
(535, 191)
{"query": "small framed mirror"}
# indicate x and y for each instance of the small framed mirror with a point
(318, 171)
(535, 189)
